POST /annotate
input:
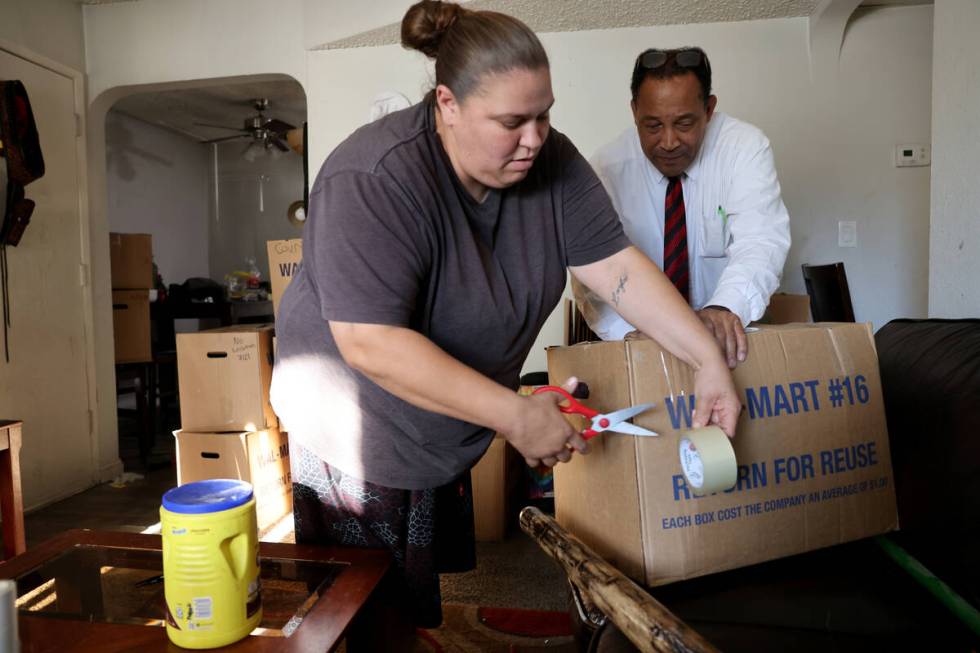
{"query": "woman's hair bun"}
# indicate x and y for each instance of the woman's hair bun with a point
(425, 24)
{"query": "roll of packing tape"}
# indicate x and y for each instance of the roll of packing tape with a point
(708, 460)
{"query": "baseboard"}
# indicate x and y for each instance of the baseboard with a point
(107, 473)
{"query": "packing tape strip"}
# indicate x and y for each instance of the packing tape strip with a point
(708, 460)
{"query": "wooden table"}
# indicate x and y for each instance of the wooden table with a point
(11, 499)
(73, 613)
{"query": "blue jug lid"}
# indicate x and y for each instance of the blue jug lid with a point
(213, 495)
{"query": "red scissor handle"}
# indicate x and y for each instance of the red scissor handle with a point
(573, 406)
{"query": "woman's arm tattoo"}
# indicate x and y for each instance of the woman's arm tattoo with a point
(620, 289)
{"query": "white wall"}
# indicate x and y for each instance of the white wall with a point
(52, 28)
(833, 144)
(152, 41)
(954, 239)
(157, 182)
(252, 201)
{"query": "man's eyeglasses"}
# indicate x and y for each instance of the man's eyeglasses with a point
(690, 58)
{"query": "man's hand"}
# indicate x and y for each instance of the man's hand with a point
(727, 330)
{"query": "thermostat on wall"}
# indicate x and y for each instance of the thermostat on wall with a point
(909, 155)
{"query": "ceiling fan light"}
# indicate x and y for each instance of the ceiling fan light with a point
(251, 151)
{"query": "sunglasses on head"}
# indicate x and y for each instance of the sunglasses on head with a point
(689, 58)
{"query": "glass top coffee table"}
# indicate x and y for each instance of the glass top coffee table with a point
(103, 591)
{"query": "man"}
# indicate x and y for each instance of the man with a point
(697, 192)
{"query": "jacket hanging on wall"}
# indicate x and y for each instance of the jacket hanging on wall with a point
(20, 164)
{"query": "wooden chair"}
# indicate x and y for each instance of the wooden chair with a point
(134, 378)
(576, 328)
(830, 297)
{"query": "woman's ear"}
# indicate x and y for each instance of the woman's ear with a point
(447, 105)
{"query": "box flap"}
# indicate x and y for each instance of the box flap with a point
(582, 485)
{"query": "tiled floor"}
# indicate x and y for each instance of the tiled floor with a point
(512, 573)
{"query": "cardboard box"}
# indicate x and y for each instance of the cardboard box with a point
(224, 377)
(494, 478)
(131, 326)
(284, 259)
(259, 457)
(131, 260)
(785, 308)
(812, 449)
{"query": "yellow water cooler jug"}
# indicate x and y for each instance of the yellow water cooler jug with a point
(210, 563)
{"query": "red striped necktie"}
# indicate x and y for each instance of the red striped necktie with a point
(675, 238)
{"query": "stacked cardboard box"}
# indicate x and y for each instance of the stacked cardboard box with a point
(228, 428)
(131, 261)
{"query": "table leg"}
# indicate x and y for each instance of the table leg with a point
(11, 499)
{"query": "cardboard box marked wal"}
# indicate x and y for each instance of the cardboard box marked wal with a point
(258, 457)
(224, 376)
(131, 326)
(131, 261)
(813, 453)
(284, 260)
(493, 478)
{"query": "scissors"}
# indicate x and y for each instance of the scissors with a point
(615, 421)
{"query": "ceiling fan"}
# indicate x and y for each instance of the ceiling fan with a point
(264, 132)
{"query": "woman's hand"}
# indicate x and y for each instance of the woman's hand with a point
(541, 433)
(716, 400)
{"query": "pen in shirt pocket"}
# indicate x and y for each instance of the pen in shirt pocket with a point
(723, 216)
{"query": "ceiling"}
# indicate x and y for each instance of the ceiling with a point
(575, 15)
(224, 104)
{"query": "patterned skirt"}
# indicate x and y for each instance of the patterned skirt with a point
(428, 532)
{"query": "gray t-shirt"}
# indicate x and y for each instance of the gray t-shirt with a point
(393, 238)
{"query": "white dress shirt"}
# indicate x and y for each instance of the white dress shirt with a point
(737, 225)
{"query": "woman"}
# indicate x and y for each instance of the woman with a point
(438, 244)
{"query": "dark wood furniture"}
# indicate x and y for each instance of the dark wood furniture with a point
(98, 591)
(228, 312)
(11, 500)
(134, 378)
(830, 297)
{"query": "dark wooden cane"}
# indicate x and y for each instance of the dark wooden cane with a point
(647, 623)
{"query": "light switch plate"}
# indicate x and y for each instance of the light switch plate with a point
(847, 233)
